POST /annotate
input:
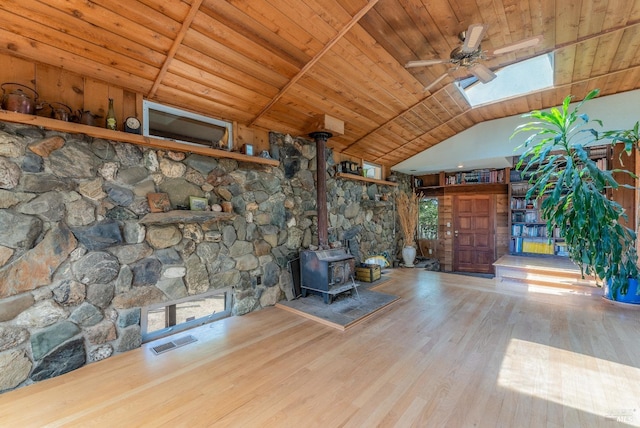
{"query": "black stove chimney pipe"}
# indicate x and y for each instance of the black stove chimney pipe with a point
(321, 138)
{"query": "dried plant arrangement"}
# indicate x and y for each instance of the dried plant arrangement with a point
(408, 214)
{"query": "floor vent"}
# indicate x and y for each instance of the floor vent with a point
(173, 344)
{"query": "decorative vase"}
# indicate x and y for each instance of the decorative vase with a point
(408, 256)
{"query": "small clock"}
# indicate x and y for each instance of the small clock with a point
(132, 125)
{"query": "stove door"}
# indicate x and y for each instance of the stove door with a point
(340, 272)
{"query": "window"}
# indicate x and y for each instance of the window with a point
(166, 318)
(516, 79)
(428, 218)
(170, 123)
(372, 170)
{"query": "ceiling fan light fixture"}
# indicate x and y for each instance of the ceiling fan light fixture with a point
(470, 53)
(466, 62)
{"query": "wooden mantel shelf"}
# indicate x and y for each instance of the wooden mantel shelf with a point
(366, 179)
(107, 134)
(376, 204)
(185, 216)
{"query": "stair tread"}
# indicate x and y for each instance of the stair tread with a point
(554, 264)
(545, 271)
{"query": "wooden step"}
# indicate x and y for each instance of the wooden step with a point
(520, 272)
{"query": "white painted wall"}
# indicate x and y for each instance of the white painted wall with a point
(488, 144)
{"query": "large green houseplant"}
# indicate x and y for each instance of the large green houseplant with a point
(573, 190)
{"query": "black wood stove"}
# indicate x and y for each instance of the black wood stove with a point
(327, 272)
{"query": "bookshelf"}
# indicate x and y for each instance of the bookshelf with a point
(462, 179)
(479, 176)
(528, 230)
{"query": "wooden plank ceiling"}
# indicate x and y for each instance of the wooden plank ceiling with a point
(275, 64)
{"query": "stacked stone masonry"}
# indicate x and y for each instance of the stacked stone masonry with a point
(77, 265)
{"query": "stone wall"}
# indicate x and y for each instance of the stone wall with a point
(77, 263)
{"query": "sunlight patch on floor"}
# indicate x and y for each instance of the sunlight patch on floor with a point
(558, 291)
(597, 386)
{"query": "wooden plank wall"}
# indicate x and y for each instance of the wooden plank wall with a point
(54, 84)
(502, 225)
(445, 247)
(625, 197)
(259, 138)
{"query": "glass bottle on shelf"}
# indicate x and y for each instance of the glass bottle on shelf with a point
(111, 116)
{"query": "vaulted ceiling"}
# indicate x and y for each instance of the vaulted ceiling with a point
(277, 64)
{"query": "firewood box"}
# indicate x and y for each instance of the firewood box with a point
(368, 272)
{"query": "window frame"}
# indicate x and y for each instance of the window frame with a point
(376, 168)
(150, 106)
(436, 227)
(533, 75)
(170, 313)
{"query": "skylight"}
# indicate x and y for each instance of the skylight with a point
(513, 80)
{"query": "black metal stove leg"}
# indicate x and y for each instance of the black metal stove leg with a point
(327, 298)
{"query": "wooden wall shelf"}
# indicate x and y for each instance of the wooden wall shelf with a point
(186, 216)
(466, 188)
(107, 134)
(367, 203)
(365, 179)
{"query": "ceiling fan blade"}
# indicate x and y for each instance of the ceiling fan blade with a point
(435, 82)
(522, 44)
(424, 62)
(482, 72)
(473, 37)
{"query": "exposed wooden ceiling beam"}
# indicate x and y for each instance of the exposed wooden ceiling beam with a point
(186, 24)
(315, 59)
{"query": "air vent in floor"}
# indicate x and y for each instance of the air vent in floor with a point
(173, 344)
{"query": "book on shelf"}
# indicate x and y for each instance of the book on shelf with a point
(521, 204)
(561, 249)
(532, 246)
(518, 245)
(598, 152)
(530, 231)
(520, 189)
(476, 176)
(537, 247)
(524, 217)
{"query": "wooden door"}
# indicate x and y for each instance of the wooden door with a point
(474, 233)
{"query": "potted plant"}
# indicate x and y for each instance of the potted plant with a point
(573, 196)
(408, 215)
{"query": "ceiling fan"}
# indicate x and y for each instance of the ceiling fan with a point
(469, 54)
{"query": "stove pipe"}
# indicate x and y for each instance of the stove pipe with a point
(321, 138)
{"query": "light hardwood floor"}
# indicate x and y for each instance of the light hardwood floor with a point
(452, 352)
